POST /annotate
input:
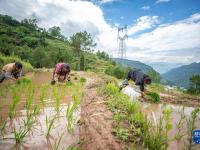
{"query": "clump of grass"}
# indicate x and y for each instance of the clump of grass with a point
(153, 96)
(82, 80)
(75, 78)
(15, 101)
(121, 133)
(70, 113)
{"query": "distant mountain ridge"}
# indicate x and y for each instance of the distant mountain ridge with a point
(134, 64)
(180, 76)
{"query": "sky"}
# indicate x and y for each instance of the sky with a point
(164, 31)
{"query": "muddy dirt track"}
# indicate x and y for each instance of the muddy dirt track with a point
(96, 121)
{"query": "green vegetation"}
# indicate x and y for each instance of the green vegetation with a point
(139, 129)
(49, 124)
(194, 85)
(15, 101)
(153, 96)
(20, 135)
(82, 80)
(10, 59)
(70, 113)
(23, 81)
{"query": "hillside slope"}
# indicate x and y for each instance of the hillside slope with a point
(133, 64)
(180, 76)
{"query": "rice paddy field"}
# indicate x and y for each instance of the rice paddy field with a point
(90, 113)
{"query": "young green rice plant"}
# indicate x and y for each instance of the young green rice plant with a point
(57, 98)
(168, 125)
(72, 148)
(24, 81)
(153, 96)
(75, 78)
(30, 117)
(70, 113)
(43, 92)
(49, 124)
(82, 80)
(15, 101)
(191, 127)
(29, 99)
(69, 83)
(57, 143)
(179, 134)
(20, 135)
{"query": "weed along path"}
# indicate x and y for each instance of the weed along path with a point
(96, 124)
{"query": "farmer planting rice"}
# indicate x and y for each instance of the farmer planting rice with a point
(11, 71)
(139, 78)
(61, 73)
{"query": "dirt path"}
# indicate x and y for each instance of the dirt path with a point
(96, 121)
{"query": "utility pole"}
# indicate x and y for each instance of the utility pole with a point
(122, 36)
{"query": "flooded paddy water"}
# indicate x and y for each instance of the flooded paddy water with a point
(38, 115)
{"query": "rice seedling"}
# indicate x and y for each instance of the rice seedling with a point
(70, 113)
(153, 96)
(49, 125)
(57, 98)
(29, 99)
(15, 101)
(23, 81)
(75, 78)
(43, 91)
(30, 118)
(69, 83)
(82, 80)
(179, 134)
(57, 143)
(20, 135)
(191, 127)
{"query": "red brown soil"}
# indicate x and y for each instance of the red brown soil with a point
(96, 121)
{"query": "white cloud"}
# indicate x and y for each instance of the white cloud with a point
(107, 1)
(145, 7)
(175, 42)
(162, 1)
(143, 23)
(182, 35)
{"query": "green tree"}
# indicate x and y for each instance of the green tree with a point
(55, 32)
(194, 84)
(81, 42)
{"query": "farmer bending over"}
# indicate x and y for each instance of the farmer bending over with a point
(139, 78)
(60, 73)
(11, 71)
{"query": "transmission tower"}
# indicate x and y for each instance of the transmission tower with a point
(122, 36)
